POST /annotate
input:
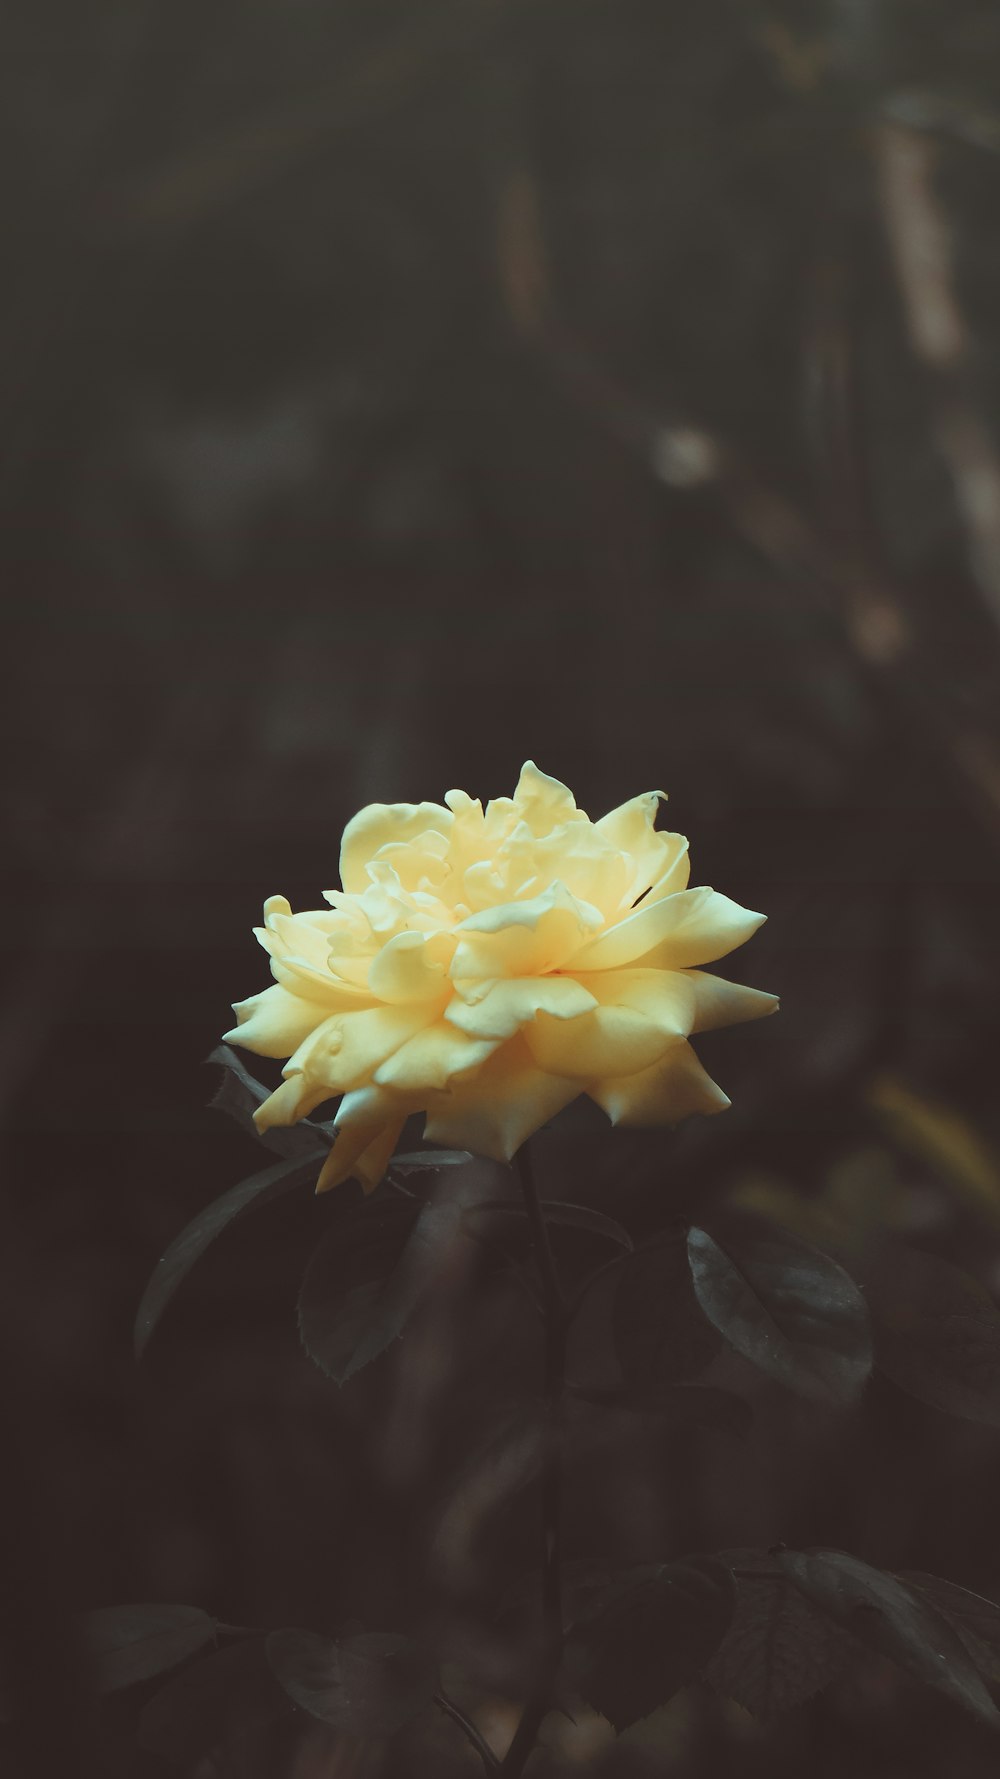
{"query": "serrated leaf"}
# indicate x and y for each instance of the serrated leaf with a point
(370, 1684)
(132, 1643)
(896, 1621)
(662, 1335)
(937, 1334)
(228, 1693)
(646, 1642)
(780, 1649)
(557, 1215)
(792, 1311)
(202, 1231)
(238, 1095)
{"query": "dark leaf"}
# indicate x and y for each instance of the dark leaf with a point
(661, 1334)
(937, 1334)
(230, 1693)
(792, 1311)
(977, 1621)
(369, 1275)
(897, 1621)
(347, 1313)
(779, 1649)
(199, 1235)
(651, 1637)
(679, 1405)
(557, 1215)
(132, 1643)
(239, 1094)
(371, 1684)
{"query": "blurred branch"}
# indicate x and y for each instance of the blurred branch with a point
(842, 575)
(194, 184)
(920, 241)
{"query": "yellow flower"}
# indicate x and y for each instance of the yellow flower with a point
(486, 967)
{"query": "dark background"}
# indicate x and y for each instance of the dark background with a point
(392, 392)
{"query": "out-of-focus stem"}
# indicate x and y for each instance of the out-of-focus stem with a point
(556, 1325)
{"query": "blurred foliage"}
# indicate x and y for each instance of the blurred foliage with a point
(392, 392)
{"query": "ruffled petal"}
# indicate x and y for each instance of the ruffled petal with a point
(368, 1125)
(411, 968)
(274, 1022)
(692, 927)
(523, 938)
(346, 1050)
(640, 1013)
(671, 1089)
(385, 824)
(299, 949)
(544, 802)
(294, 1099)
(432, 1059)
(499, 1009)
(718, 1002)
(500, 1107)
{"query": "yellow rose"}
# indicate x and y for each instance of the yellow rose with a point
(486, 967)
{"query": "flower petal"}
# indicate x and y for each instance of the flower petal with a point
(346, 1049)
(671, 1089)
(691, 927)
(412, 967)
(640, 1013)
(274, 1022)
(432, 1059)
(497, 1110)
(523, 938)
(512, 1002)
(718, 1002)
(544, 802)
(299, 947)
(295, 1098)
(368, 1125)
(384, 824)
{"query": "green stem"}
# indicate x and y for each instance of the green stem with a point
(556, 1328)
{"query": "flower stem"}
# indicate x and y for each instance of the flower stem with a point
(556, 1327)
(469, 1730)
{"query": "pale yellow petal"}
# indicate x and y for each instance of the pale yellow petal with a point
(672, 871)
(346, 1049)
(294, 1099)
(432, 1059)
(412, 967)
(640, 1013)
(500, 1107)
(299, 948)
(274, 1022)
(648, 854)
(671, 1089)
(544, 802)
(689, 928)
(385, 824)
(368, 1125)
(718, 1002)
(523, 938)
(499, 1009)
